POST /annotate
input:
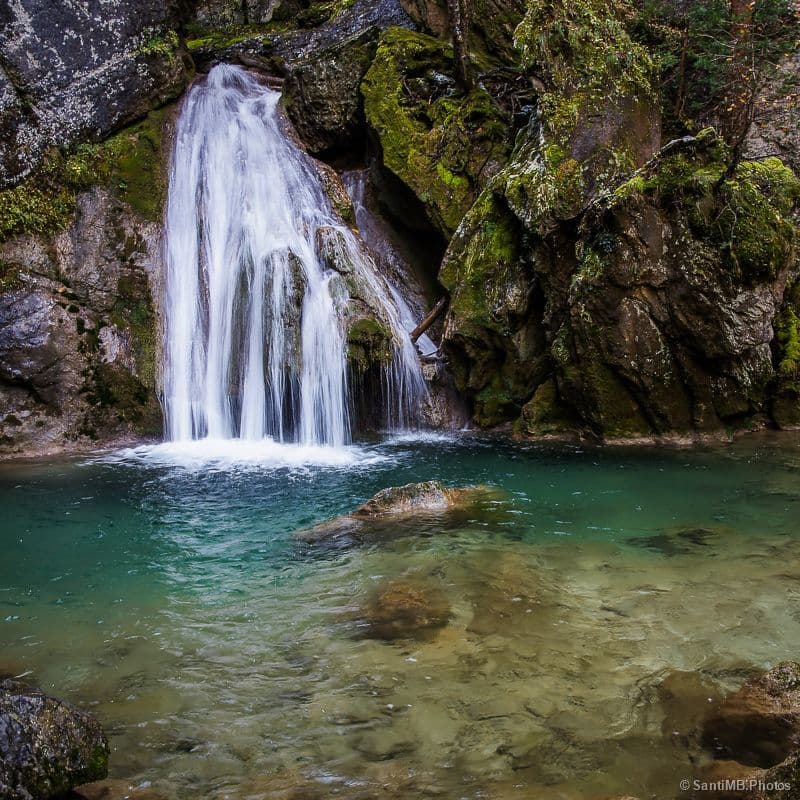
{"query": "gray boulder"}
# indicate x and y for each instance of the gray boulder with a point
(46, 745)
(77, 71)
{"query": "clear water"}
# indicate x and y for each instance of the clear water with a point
(162, 589)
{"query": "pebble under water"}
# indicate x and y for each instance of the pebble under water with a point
(163, 590)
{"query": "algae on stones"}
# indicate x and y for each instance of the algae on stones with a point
(369, 343)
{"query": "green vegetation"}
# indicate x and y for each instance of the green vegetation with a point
(747, 216)
(586, 58)
(130, 164)
(199, 39)
(438, 144)
(476, 273)
(695, 47)
(369, 343)
(165, 45)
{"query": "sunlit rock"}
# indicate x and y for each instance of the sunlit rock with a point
(380, 514)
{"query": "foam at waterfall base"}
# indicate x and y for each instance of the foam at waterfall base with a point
(222, 454)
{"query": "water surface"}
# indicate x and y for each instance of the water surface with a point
(163, 589)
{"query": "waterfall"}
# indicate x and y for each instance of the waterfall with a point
(255, 316)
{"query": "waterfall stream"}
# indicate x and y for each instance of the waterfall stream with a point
(256, 314)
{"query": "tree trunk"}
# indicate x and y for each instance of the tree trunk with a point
(458, 11)
(738, 112)
(429, 320)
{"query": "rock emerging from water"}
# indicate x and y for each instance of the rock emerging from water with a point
(381, 513)
(404, 608)
(46, 746)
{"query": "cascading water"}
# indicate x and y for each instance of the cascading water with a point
(255, 339)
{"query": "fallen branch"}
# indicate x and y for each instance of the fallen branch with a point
(429, 320)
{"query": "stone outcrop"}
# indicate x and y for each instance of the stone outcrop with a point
(323, 97)
(443, 146)
(379, 516)
(77, 72)
(651, 312)
(78, 331)
(46, 746)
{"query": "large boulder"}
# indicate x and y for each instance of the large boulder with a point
(46, 746)
(77, 71)
(392, 510)
(653, 310)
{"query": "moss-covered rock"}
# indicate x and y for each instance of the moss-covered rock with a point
(322, 93)
(130, 163)
(369, 344)
(443, 145)
(785, 403)
(545, 415)
(491, 32)
(48, 746)
(657, 301)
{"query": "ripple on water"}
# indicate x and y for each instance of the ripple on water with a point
(578, 620)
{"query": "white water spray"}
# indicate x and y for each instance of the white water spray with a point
(255, 345)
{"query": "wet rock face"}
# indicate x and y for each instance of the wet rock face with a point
(78, 331)
(73, 72)
(46, 746)
(403, 608)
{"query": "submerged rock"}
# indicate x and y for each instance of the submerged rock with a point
(403, 608)
(112, 790)
(759, 725)
(46, 746)
(375, 517)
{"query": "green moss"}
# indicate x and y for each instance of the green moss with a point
(165, 45)
(476, 271)
(544, 415)
(223, 39)
(748, 217)
(133, 164)
(133, 311)
(787, 334)
(494, 405)
(369, 343)
(584, 51)
(129, 163)
(595, 76)
(9, 277)
(438, 145)
(115, 389)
